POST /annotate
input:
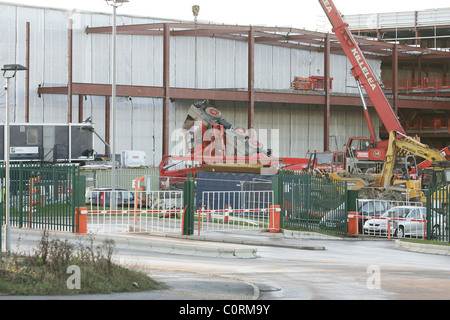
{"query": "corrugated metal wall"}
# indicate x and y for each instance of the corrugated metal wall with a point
(195, 63)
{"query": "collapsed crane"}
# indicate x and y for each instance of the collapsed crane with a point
(212, 143)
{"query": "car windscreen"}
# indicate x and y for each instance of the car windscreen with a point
(396, 213)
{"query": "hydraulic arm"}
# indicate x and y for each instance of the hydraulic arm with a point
(401, 147)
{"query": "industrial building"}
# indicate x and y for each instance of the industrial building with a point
(163, 66)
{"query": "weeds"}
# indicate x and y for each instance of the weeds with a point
(44, 271)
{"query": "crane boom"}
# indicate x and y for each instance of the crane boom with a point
(360, 68)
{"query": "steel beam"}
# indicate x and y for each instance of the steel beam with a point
(27, 75)
(239, 95)
(80, 107)
(166, 84)
(69, 71)
(326, 124)
(251, 79)
(107, 123)
(395, 77)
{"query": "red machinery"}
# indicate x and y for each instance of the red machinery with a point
(363, 150)
(315, 83)
(360, 68)
(211, 140)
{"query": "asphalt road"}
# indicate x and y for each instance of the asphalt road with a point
(282, 269)
(356, 270)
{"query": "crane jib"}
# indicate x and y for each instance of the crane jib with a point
(365, 70)
(327, 5)
(360, 68)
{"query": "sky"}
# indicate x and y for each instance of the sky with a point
(306, 14)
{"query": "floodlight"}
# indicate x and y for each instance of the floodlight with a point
(116, 3)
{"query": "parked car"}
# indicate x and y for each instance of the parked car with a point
(367, 209)
(405, 221)
(102, 197)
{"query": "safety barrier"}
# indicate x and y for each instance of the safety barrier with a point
(133, 211)
(235, 210)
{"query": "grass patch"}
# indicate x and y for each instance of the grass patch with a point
(59, 267)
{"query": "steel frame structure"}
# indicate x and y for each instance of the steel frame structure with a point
(277, 36)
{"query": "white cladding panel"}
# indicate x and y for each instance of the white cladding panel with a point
(406, 19)
(203, 62)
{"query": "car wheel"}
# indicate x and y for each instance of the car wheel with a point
(399, 233)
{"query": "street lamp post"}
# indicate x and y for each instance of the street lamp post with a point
(115, 4)
(9, 71)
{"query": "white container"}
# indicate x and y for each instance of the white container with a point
(132, 159)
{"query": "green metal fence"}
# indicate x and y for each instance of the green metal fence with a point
(438, 213)
(42, 196)
(312, 202)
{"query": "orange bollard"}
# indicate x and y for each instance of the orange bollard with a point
(353, 223)
(81, 220)
(274, 218)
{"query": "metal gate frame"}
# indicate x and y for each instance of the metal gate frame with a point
(234, 210)
(42, 196)
(115, 211)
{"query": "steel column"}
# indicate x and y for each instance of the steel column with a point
(166, 84)
(27, 75)
(326, 126)
(80, 107)
(251, 79)
(395, 77)
(107, 124)
(70, 77)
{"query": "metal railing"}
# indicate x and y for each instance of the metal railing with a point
(438, 212)
(308, 201)
(234, 210)
(42, 196)
(133, 211)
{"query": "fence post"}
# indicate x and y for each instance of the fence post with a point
(351, 209)
(79, 185)
(428, 203)
(277, 188)
(188, 203)
(21, 184)
(81, 220)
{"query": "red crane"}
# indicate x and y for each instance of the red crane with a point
(361, 70)
(365, 78)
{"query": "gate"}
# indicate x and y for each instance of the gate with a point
(438, 213)
(121, 210)
(313, 202)
(234, 210)
(42, 196)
